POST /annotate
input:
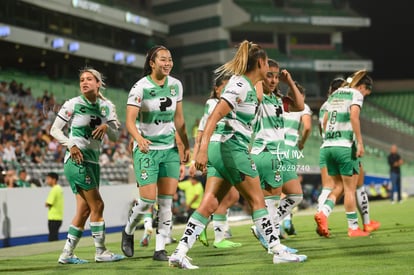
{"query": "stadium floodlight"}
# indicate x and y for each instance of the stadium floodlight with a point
(4, 31)
(118, 56)
(58, 43)
(129, 59)
(73, 47)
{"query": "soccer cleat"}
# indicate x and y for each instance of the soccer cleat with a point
(258, 236)
(289, 249)
(203, 237)
(160, 255)
(372, 226)
(285, 257)
(127, 244)
(288, 227)
(226, 244)
(70, 259)
(322, 222)
(357, 233)
(108, 256)
(145, 238)
(183, 262)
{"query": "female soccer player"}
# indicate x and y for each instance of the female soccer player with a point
(342, 147)
(90, 117)
(154, 113)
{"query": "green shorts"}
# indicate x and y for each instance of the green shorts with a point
(83, 176)
(229, 160)
(322, 157)
(341, 161)
(156, 164)
(288, 169)
(269, 167)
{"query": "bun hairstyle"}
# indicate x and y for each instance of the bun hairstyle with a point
(359, 78)
(150, 56)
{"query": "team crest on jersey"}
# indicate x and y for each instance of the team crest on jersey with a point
(253, 165)
(104, 111)
(172, 91)
(144, 174)
(278, 177)
(88, 179)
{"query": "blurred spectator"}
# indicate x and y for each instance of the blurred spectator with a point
(4, 87)
(106, 157)
(9, 152)
(22, 180)
(36, 153)
(10, 178)
(121, 155)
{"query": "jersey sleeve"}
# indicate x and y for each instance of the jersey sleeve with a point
(66, 111)
(234, 93)
(135, 95)
(357, 99)
(180, 91)
(112, 116)
(307, 110)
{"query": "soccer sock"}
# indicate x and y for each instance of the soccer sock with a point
(226, 225)
(287, 204)
(264, 224)
(74, 235)
(352, 218)
(219, 224)
(98, 234)
(195, 225)
(322, 197)
(164, 221)
(148, 222)
(271, 205)
(140, 208)
(328, 207)
(363, 204)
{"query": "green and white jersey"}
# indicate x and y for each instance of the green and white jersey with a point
(338, 130)
(322, 112)
(269, 128)
(240, 94)
(84, 117)
(208, 109)
(157, 105)
(292, 125)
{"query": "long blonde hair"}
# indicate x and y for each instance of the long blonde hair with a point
(358, 78)
(245, 60)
